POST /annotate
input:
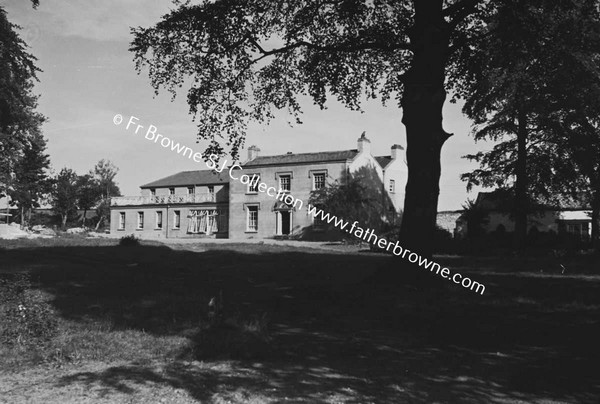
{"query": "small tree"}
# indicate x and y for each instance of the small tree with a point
(30, 181)
(89, 193)
(359, 197)
(104, 174)
(476, 217)
(64, 195)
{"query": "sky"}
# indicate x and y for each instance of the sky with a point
(88, 77)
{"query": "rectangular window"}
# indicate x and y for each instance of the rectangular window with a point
(176, 219)
(207, 221)
(318, 181)
(253, 185)
(211, 189)
(121, 220)
(285, 182)
(392, 186)
(578, 230)
(252, 218)
(140, 220)
(158, 219)
(153, 191)
(171, 191)
(191, 190)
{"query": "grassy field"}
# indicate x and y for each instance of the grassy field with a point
(300, 325)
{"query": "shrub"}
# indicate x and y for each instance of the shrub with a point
(26, 318)
(129, 241)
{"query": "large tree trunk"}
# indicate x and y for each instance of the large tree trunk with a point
(422, 103)
(521, 207)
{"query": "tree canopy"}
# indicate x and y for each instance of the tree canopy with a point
(20, 124)
(539, 67)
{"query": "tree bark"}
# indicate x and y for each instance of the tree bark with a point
(521, 207)
(422, 102)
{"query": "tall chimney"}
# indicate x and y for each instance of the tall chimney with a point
(253, 152)
(364, 144)
(396, 151)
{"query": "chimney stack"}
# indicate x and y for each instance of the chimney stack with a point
(396, 151)
(364, 144)
(253, 152)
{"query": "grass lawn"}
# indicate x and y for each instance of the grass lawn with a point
(300, 325)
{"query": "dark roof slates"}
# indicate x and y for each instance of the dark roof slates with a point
(183, 178)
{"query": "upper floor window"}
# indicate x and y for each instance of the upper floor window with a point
(253, 184)
(285, 182)
(392, 186)
(318, 181)
(153, 191)
(171, 191)
(191, 190)
(211, 189)
(121, 221)
(140, 220)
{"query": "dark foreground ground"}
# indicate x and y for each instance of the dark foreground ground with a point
(300, 325)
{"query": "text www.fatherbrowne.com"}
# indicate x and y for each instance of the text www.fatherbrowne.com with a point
(370, 237)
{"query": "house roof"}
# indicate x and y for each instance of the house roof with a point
(319, 157)
(383, 160)
(183, 178)
(302, 158)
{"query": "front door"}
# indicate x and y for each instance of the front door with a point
(285, 222)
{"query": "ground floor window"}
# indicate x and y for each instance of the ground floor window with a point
(121, 220)
(252, 218)
(207, 221)
(140, 220)
(580, 230)
(159, 216)
(176, 219)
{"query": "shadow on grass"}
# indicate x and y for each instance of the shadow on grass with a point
(330, 336)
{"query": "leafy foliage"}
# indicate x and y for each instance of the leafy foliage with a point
(247, 59)
(64, 194)
(31, 180)
(104, 173)
(475, 216)
(89, 193)
(129, 241)
(26, 318)
(359, 197)
(19, 123)
(515, 84)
